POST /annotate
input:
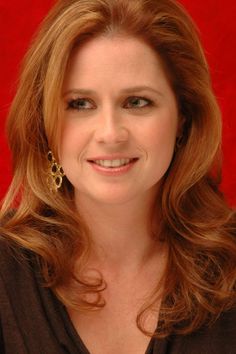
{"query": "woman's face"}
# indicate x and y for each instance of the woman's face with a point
(120, 121)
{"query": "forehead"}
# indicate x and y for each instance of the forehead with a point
(121, 59)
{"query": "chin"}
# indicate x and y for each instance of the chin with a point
(115, 199)
(111, 196)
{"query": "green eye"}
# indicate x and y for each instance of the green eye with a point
(138, 102)
(80, 104)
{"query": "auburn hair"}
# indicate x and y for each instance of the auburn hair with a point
(197, 224)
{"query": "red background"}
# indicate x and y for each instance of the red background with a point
(216, 20)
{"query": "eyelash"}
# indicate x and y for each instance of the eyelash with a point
(136, 98)
(72, 104)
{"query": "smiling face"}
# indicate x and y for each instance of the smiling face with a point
(120, 121)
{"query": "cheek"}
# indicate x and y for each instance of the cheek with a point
(160, 136)
(72, 140)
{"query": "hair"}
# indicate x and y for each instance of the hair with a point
(197, 224)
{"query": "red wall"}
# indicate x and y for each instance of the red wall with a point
(217, 22)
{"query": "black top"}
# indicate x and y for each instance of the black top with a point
(34, 321)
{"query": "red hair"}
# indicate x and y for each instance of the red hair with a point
(197, 224)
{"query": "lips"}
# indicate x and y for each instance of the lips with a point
(112, 163)
(114, 166)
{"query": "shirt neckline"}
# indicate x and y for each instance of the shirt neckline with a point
(74, 335)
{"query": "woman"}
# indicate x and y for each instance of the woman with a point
(115, 237)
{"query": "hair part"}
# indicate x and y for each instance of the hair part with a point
(197, 224)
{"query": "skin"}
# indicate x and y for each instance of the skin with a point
(113, 117)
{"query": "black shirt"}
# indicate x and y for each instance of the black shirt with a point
(34, 321)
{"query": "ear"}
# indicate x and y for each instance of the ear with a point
(180, 128)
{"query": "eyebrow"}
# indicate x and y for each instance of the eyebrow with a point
(134, 89)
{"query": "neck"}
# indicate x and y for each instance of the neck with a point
(122, 235)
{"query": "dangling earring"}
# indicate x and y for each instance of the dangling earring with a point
(56, 173)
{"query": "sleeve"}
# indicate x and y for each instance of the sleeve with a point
(2, 349)
(10, 331)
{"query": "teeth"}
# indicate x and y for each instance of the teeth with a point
(112, 163)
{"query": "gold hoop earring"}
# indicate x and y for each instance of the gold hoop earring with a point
(56, 173)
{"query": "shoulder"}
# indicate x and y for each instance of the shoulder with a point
(17, 266)
(10, 252)
(218, 338)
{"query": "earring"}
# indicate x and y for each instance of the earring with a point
(56, 173)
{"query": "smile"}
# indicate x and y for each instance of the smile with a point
(113, 167)
(113, 163)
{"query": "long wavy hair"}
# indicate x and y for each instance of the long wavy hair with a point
(197, 224)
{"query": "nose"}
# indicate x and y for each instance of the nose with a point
(110, 128)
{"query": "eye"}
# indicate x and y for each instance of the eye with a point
(80, 104)
(137, 102)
